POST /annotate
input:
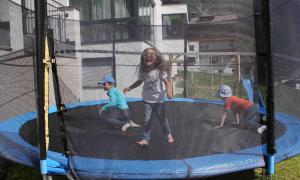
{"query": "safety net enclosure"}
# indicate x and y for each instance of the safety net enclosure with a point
(52, 58)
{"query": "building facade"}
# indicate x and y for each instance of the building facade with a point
(89, 34)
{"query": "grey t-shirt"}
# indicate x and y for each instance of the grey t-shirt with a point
(153, 91)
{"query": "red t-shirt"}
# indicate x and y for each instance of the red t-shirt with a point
(237, 104)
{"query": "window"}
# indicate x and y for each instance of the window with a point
(5, 35)
(214, 60)
(146, 16)
(102, 9)
(191, 48)
(173, 25)
(191, 60)
(124, 8)
(145, 11)
(99, 17)
(4, 25)
(93, 9)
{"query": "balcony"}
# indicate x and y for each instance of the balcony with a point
(167, 2)
(93, 32)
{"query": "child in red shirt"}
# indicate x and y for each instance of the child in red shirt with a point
(239, 106)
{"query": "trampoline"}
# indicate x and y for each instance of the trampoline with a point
(58, 68)
(112, 154)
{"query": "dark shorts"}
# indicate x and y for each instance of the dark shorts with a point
(116, 113)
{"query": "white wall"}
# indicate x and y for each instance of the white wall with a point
(4, 11)
(16, 27)
(125, 67)
(159, 10)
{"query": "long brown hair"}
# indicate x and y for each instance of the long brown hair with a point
(160, 62)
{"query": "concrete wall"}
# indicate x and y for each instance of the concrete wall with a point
(125, 67)
(16, 27)
(160, 10)
(12, 13)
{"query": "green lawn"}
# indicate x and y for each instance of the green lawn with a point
(204, 85)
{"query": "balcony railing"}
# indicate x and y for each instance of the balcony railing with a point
(165, 2)
(95, 32)
(56, 20)
(173, 31)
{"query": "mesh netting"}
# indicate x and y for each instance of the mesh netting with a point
(17, 88)
(286, 57)
(205, 44)
(214, 49)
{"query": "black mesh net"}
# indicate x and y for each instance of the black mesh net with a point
(17, 88)
(202, 43)
(214, 48)
(286, 57)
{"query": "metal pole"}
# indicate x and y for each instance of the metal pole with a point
(113, 40)
(40, 26)
(185, 66)
(270, 92)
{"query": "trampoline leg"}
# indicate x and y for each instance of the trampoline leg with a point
(271, 168)
(44, 170)
(47, 177)
(43, 167)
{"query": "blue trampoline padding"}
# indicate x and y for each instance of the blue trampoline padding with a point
(13, 147)
(133, 169)
(248, 87)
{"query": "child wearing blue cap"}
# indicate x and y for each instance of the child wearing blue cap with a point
(116, 111)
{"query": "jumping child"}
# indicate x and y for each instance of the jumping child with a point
(152, 71)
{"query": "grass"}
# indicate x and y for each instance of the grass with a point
(204, 85)
(289, 169)
(20, 172)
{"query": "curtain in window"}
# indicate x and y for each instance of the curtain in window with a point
(123, 8)
(100, 9)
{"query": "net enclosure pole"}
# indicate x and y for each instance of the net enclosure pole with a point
(271, 150)
(185, 66)
(40, 26)
(59, 105)
(113, 40)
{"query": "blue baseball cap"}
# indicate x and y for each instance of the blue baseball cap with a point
(108, 78)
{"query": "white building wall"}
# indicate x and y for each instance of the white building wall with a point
(12, 12)
(160, 10)
(125, 67)
(4, 12)
(16, 28)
